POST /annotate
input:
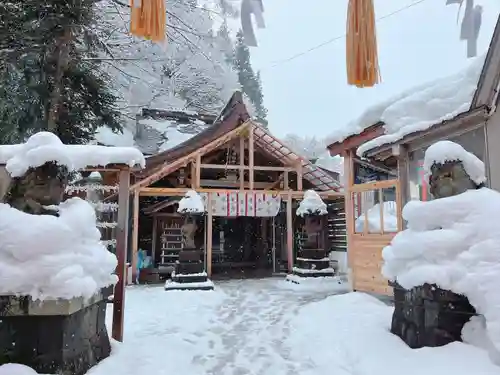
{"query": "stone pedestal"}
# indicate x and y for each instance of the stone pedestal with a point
(189, 273)
(313, 263)
(64, 337)
(429, 316)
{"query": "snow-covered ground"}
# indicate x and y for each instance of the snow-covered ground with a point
(272, 327)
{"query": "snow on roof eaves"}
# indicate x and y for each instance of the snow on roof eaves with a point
(45, 147)
(438, 101)
(417, 108)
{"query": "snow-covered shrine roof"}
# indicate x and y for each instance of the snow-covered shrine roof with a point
(44, 147)
(416, 109)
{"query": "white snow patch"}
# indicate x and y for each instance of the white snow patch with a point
(49, 257)
(312, 204)
(453, 242)
(389, 219)
(474, 333)
(448, 151)
(45, 147)
(169, 284)
(191, 203)
(107, 137)
(334, 284)
(305, 271)
(16, 369)
(170, 131)
(351, 335)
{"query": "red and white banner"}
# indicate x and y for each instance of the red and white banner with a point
(233, 204)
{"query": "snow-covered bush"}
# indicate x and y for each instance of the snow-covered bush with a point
(312, 204)
(191, 203)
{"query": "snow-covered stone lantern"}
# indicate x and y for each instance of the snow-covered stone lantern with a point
(312, 259)
(55, 274)
(189, 272)
(445, 267)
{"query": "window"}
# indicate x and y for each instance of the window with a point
(473, 141)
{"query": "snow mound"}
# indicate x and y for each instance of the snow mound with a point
(453, 242)
(45, 147)
(447, 151)
(191, 203)
(416, 109)
(49, 257)
(107, 137)
(312, 204)
(15, 369)
(390, 219)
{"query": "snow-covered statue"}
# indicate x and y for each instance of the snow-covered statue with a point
(450, 177)
(35, 184)
(190, 205)
(311, 208)
(446, 264)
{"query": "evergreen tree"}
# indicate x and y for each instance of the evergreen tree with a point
(49, 71)
(250, 82)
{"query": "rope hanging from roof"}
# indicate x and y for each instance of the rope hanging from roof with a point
(361, 44)
(148, 19)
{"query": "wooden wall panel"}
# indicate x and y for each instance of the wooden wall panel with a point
(366, 263)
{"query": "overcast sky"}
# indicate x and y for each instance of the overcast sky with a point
(309, 95)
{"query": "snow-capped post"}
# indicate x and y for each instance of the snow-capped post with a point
(441, 265)
(312, 259)
(189, 272)
(55, 273)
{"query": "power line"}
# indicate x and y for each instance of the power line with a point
(300, 54)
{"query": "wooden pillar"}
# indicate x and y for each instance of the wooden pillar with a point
(198, 171)
(403, 187)
(242, 163)
(300, 176)
(135, 236)
(286, 183)
(289, 232)
(193, 175)
(349, 208)
(154, 239)
(209, 235)
(121, 254)
(251, 158)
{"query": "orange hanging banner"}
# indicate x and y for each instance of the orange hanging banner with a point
(361, 44)
(148, 19)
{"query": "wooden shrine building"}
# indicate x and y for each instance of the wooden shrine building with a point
(383, 164)
(251, 184)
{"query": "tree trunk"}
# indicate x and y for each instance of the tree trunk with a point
(62, 53)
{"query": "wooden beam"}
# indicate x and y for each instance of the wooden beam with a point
(286, 183)
(178, 192)
(198, 170)
(242, 162)
(121, 254)
(251, 144)
(289, 232)
(168, 168)
(231, 184)
(255, 167)
(375, 185)
(135, 235)
(209, 235)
